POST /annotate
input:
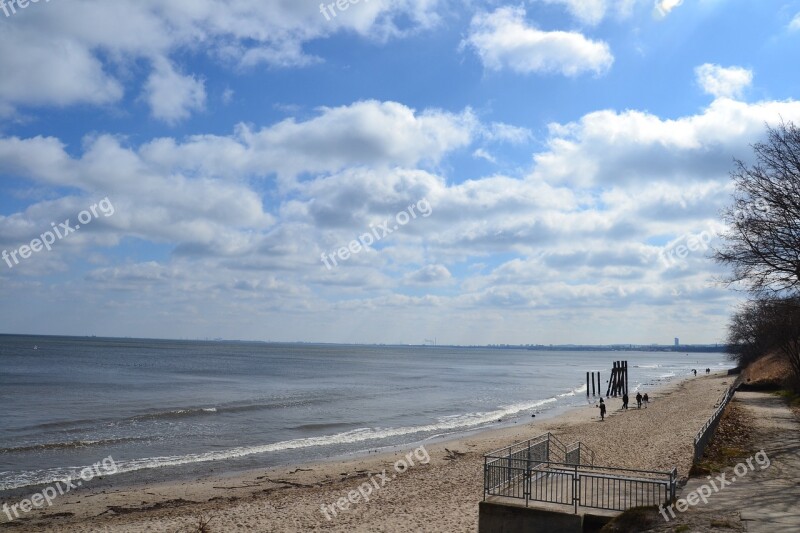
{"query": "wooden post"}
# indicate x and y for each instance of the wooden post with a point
(612, 377)
(626, 377)
(612, 391)
(587, 384)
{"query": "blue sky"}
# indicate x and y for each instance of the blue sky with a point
(566, 161)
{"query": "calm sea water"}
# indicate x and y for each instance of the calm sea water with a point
(164, 409)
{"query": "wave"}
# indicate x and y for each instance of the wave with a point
(71, 444)
(61, 424)
(323, 426)
(227, 408)
(573, 392)
(175, 413)
(442, 425)
(86, 425)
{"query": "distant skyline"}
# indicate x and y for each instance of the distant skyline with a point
(540, 172)
(616, 346)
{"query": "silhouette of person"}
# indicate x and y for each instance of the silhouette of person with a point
(646, 400)
(639, 399)
(625, 401)
(602, 410)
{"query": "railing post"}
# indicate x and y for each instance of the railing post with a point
(576, 488)
(485, 476)
(673, 482)
(547, 448)
(526, 480)
(508, 468)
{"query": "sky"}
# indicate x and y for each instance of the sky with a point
(380, 171)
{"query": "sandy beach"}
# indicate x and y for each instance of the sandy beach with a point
(438, 490)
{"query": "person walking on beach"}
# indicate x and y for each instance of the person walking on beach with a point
(639, 399)
(646, 400)
(625, 401)
(602, 410)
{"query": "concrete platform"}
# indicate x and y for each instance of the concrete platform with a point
(504, 515)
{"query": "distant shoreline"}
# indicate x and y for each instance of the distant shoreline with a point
(618, 347)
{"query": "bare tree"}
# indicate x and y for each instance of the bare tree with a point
(746, 342)
(767, 325)
(762, 244)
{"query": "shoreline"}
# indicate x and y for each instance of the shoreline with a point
(177, 503)
(128, 481)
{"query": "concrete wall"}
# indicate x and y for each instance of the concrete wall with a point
(497, 518)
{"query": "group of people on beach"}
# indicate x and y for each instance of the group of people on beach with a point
(639, 400)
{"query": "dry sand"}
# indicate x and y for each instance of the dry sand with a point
(442, 495)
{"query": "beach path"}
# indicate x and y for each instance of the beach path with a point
(762, 500)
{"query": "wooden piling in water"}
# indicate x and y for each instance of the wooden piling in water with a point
(625, 374)
(618, 382)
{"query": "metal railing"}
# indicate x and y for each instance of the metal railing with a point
(519, 456)
(579, 454)
(526, 471)
(708, 429)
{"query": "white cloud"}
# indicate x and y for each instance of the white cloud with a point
(795, 23)
(504, 40)
(158, 207)
(480, 153)
(624, 148)
(579, 236)
(665, 7)
(587, 11)
(364, 133)
(197, 194)
(172, 96)
(50, 70)
(728, 82)
(430, 274)
(592, 12)
(227, 96)
(500, 132)
(67, 61)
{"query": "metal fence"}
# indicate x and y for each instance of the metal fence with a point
(708, 429)
(578, 453)
(523, 471)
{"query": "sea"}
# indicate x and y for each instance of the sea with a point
(168, 409)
